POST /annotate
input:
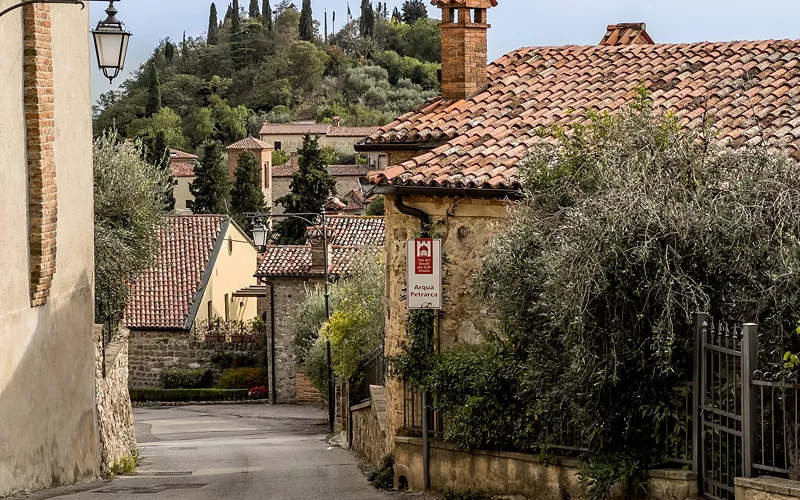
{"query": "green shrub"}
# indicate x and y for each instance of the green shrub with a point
(181, 395)
(244, 378)
(383, 477)
(226, 360)
(185, 378)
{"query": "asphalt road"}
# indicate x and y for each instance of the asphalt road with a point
(239, 452)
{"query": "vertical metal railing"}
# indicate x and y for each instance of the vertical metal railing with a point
(373, 372)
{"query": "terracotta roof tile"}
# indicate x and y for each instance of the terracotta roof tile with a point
(182, 155)
(182, 168)
(351, 131)
(356, 230)
(335, 170)
(545, 86)
(294, 129)
(162, 296)
(250, 143)
(295, 260)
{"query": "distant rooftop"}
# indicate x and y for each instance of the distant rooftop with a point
(327, 129)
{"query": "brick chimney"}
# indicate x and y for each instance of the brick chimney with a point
(318, 257)
(295, 161)
(464, 46)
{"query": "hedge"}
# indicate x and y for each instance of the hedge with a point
(244, 378)
(177, 395)
(185, 378)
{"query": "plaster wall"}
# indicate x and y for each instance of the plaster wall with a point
(466, 227)
(49, 434)
(182, 194)
(264, 158)
(292, 142)
(233, 270)
(280, 188)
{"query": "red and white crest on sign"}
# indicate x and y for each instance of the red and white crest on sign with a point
(423, 256)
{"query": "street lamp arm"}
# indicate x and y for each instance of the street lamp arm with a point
(82, 3)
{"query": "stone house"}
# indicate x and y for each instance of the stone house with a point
(49, 434)
(289, 136)
(288, 271)
(203, 262)
(263, 152)
(182, 165)
(348, 178)
(453, 163)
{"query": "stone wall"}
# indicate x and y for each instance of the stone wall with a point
(766, 488)
(517, 475)
(305, 392)
(288, 293)
(152, 351)
(369, 427)
(466, 227)
(114, 412)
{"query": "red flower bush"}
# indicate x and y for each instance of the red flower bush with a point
(260, 392)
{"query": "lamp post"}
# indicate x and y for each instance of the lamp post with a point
(110, 37)
(260, 239)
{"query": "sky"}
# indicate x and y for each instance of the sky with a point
(515, 23)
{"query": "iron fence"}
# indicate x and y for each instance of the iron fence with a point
(777, 449)
(412, 415)
(373, 372)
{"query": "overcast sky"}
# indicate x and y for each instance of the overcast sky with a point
(515, 23)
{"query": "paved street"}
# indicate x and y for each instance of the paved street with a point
(239, 452)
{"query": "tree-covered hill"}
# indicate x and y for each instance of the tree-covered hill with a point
(270, 62)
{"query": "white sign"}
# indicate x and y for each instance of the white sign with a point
(424, 269)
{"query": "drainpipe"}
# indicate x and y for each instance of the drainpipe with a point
(272, 341)
(425, 224)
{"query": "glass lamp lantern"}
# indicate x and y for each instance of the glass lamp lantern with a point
(260, 234)
(111, 43)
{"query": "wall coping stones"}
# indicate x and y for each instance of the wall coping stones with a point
(775, 485)
(677, 474)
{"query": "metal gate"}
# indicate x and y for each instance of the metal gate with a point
(726, 356)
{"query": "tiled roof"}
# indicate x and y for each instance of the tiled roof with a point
(626, 34)
(468, 3)
(295, 260)
(750, 89)
(352, 201)
(335, 170)
(315, 129)
(351, 131)
(356, 230)
(250, 143)
(182, 168)
(181, 155)
(163, 295)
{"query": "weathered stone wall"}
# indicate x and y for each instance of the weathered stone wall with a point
(517, 475)
(466, 227)
(369, 427)
(114, 411)
(152, 351)
(288, 293)
(766, 488)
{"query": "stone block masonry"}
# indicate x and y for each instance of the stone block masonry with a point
(40, 137)
(152, 351)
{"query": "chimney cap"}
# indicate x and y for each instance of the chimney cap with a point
(626, 34)
(471, 4)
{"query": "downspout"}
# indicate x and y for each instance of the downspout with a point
(425, 226)
(272, 341)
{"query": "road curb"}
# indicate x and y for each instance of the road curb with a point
(171, 404)
(61, 490)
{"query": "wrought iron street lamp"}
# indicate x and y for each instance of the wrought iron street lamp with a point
(110, 37)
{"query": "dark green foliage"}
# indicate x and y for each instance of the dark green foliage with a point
(169, 51)
(226, 360)
(311, 187)
(254, 11)
(155, 151)
(414, 10)
(210, 186)
(306, 22)
(366, 24)
(383, 477)
(185, 378)
(236, 17)
(153, 104)
(184, 395)
(376, 207)
(213, 25)
(396, 17)
(246, 195)
(244, 378)
(266, 13)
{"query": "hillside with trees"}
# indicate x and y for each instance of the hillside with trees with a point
(270, 62)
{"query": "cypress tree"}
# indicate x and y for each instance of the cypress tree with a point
(210, 185)
(156, 152)
(228, 13)
(246, 195)
(236, 21)
(169, 51)
(311, 187)
(306, 22)
(366, 24)
(255, 12)
(153, 104)
(266, 13)
(213, 24)
(184, 48)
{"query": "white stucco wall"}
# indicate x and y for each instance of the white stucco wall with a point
(48, 433)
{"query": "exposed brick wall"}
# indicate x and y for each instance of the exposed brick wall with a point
(152, 351)
(40, 136)
(464, 52)
(305, 392)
